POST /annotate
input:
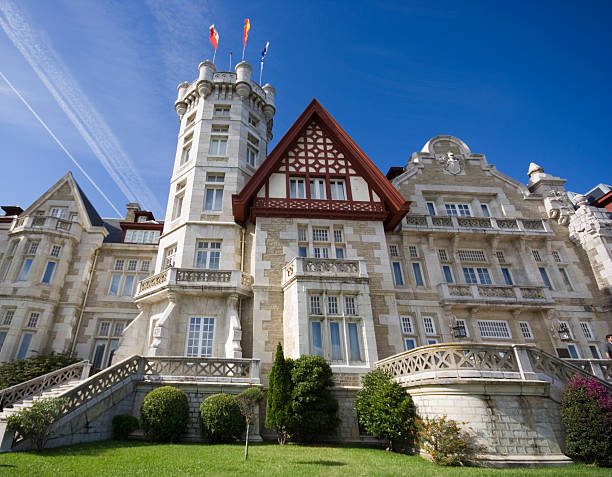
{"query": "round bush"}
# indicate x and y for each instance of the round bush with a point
(124, 425)
(220, 418)
(164, 414)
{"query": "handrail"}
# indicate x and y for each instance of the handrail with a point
(34, 386)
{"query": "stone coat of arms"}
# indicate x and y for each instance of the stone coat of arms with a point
(451, 163)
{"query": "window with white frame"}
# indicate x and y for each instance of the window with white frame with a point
(431, 208)
(200, 336)
(413, 251)
(469, 275)
(536, 255)
(55, 251)
(494, 329)
(25, 268)
(169, 256)
(213, 193)
(33, 319)
(302, 233)
(186, 149)
(106, 342)
(442, 255)
(221, 110)
(398, 276)
(462, 210)
(318, 189)
(332, 305)
(545, 279)
(500, 256)
(315, 305)
(208, 254)
(252, 150)
(8, 317)
(32, 247)
(297, 188)
(320, 252)
(141, 236)
(586, 330)
(485, 210)
(448, 274)
(320, 234)
(218, 146)
(407, 325)
(418, 274)
(565, 326)
(190, 121)
(349, 306)
(59, 212)
(556, 256)
(429, 325)
(573, 351)
(338, 189)
(177, 208)
(483, 276)
(507, 277)
(526, 330)
(24, 345)
(48, 273)
(393, 251)
(460, 322)
(472, 255)
(479, 275)
(410, 343)
(145, 265)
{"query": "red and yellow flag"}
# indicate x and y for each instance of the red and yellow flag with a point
(247, 27)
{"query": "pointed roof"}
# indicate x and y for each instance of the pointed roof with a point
(396, 205)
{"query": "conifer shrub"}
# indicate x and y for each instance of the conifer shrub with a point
(386, 411)
(278, 405)
(33, 422)
(21, 370)
(164, 414)
(586, 413)
(220, 418)
(313, 407)
(124, 425)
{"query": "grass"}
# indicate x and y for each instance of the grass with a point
(130, 458)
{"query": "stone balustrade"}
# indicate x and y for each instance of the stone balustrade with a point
(328, 268)
(451, 293)
(180, 368)
(478, 224)
(46, 223)
(188, 277)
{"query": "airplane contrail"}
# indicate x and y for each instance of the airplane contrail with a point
(59, 143)
(74, 102)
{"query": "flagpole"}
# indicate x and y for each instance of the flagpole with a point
(260, 72)
(214, 54)
(230, 68)
(243, 47)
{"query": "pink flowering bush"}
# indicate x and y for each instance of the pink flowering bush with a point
(586, 412)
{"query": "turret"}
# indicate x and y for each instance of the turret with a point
(205, 80)
(243, 79)
(180, 106)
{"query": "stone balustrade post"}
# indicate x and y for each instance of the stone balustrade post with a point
(524, 363)
(85, 370)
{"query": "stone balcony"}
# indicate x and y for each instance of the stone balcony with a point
(487, 295)
(195, 281)
(46, 223)
(325, 268)
(486, 225)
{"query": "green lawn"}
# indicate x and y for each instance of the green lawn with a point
(143, 459)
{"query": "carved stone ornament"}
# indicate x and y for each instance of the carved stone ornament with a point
(451, 163)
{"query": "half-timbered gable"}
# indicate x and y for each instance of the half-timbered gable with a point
(317, 170)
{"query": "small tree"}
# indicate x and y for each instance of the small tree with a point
(313, 407)
(248, 401)
(385, 410)
(278, 404)
(586, 413)
(445, 441)
(34, 422)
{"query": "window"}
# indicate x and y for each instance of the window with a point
(494, 329)
(74, 217)
(536, 255)
(251, 156)
(119, 264)
(297, 188)
(397, 274)
(334, 338)
(186, 149)
(218, 146)
(316, 338)
(104, 328)
(315, 305)
(141, 236)
(338, 191)
(32, 247)
(128, 285)
(349, 306)
(221, 110)
(33, 320)
(507, 276)
(59, 212)
(302, 251)
(428, 325)
(485, 210)
(118, 329)
(114, 286)
(586, 330)
(338, 235)
(190, 120)
(418, 276)
(178, 206)
(321, 252)
(354, 347)
(432, 341)
(483, 276)
(442, 255)
(573, 351)
(526, 330)
(431, 208)
(594, 351)
(145, 265)
(462, 210)
(302, 234)
(407, 325)
(556, 256)
(470, 276)
(412, 250)
(565, 325)
(208, 255)
(106, 343)
(8, 317)
(2, 338)
(317, 189)
(332, 305)
(448, 275)
(320, 235)
(48, 272)
(472, 255)
(545, 278)
(26, 339)
(200, 336)
(339, 252)
(55, 251)
(25, 269)
(132, 264)
(566, 280)
(393, 251)
(409, 343)
(213, 195)
(169, 256)
(253, 121)
(460, 322)
(500, 256)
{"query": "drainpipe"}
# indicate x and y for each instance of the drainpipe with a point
(76, 333)
(242, 232)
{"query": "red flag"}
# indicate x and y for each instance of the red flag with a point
(247, 27)
(214, 37)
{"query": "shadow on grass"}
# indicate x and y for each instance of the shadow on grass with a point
(328, 463)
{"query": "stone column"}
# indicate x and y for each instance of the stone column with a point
(234, 332)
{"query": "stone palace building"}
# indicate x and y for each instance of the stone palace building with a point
(309, 245)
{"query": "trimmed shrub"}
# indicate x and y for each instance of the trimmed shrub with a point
(33, 422)
(124, 425)
(386, 411)
(164, 414)
(220, 418)
(586, 413)
(313, 407)
(445, 441)
(21, 370)
(278, 405)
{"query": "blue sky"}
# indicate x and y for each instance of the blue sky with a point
(518, 81)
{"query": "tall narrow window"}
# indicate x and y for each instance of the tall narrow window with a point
(338, 189)
(332, 305)
(169, 256)
(431, 208)
(586, 330)
(2, 338)
(545, 278)
(429, 326)
(26, 339)
(507, 276)
(526, 330)
(297, 189)
(336, 345)
(55, 251)
(418, 276)
(185, 154)
(48, 272)
(213, 195)
(397, 274)
(315, 304)
(566, 280)
(317, 338)
(128, 284)
(178, 206)
(407, 326)
(573, 351)
(485, 210)
(25, 269)
(469, 275)
(200, 336)
(114, 286)
(349, 306)
(483, 276)
(448, 274)
(354, 348)
(317, 189)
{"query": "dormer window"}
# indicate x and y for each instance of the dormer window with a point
(59, 212)
(338, 189)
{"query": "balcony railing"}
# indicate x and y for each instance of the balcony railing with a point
(324, 267)
(48, 223)
(503, 294)
(189, 277)
(472, 224)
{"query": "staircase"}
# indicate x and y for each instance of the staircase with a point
(52, 392)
